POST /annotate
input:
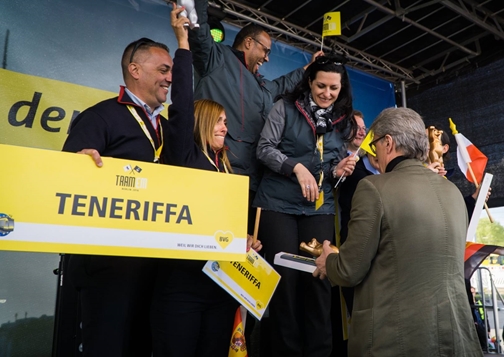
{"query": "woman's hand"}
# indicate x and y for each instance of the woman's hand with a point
(437, 168)
(307, 182)
(257, 246)
(178, 22)
(345, 167)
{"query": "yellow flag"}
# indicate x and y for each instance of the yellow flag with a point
(332, 24)
(365, 143)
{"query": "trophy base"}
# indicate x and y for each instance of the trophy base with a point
(295, 262)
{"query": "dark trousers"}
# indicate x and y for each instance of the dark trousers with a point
(299, 312)
(115, 296)
(191, 315)
(340, 346)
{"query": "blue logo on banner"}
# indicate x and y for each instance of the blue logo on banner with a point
(6, 224)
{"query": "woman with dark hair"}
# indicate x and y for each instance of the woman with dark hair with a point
(299, 146)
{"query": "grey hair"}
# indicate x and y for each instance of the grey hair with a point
(406, 128)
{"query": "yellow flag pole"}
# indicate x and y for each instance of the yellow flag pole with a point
(256, 225)
(477, 186)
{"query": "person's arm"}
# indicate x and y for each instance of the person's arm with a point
(179, 129)
(470, 203)
(268, 153)
(352, 264)
(288, 81)
(179, 25)
(271, 134)
(207, 55)
(284, 83)
(87, 136)
(344, 167)
(313, 58)
(88, 130)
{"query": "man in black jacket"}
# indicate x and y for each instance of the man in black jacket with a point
(230, 76)
(115, 292)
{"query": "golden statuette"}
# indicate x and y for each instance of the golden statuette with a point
(435, 145)
(315, 248)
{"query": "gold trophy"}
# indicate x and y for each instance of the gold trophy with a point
(435, 145)
(315, 248)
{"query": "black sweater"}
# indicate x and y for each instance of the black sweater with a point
(110, 128)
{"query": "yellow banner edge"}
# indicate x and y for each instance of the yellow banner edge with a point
(61, 248)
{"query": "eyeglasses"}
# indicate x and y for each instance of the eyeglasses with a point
(266, 49)
(372, 144)
(363, 128)
(325, 60)
(138, 44)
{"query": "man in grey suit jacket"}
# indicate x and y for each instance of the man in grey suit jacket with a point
(404, 252)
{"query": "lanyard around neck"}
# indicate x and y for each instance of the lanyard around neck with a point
(320, 148)
(213, 163)
(157, 153)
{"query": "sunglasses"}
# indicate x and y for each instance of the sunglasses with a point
(266, 49)
(372, 144)
(325, 60)
(141, 42)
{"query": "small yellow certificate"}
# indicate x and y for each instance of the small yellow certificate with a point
(252, 282)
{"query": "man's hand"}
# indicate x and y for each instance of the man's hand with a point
(321, 271)
(177, 23)
(314, 57)
(476, 193)
(95, 155)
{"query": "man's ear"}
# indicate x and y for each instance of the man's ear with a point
(247, 43)
(134, 70)
(389, 143)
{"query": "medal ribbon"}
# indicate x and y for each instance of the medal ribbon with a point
(213, 163)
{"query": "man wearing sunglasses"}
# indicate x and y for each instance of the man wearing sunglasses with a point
(404, 252)
(230, 76)
(116, 292)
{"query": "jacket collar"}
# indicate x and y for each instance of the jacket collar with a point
(215, 157)
(401, 162)
(124, 98)
(306, 112)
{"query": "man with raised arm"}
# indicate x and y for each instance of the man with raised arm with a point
(230, 76)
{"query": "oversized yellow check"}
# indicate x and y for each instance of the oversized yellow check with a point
(59, 202)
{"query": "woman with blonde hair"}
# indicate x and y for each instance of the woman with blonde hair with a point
(190, 314)
(210, 129)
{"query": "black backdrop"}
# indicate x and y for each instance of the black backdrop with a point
(475, 102)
